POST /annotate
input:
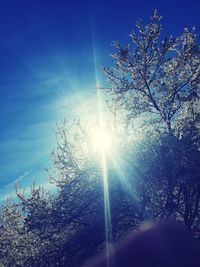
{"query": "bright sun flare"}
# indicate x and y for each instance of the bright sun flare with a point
(101, 140)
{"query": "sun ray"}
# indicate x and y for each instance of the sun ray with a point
(101, 141)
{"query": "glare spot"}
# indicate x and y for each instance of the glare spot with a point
(101, 140)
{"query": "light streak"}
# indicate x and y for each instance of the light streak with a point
(103, 148)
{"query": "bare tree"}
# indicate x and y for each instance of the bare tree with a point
(154, 77)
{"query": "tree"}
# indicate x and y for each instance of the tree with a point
(153, 77)
(18, 246)
(157, 82)
(155, 174)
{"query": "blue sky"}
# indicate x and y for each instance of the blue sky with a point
(47, 69)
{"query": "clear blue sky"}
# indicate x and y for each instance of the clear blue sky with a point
(47, 68)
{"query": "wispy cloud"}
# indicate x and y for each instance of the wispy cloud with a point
(24, 181)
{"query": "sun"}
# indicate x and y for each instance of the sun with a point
(101, 140)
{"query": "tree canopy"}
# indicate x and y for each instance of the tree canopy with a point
(155, 82)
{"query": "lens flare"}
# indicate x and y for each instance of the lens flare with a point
(101, 140)
(102, 143)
